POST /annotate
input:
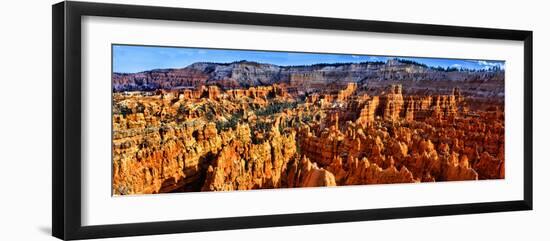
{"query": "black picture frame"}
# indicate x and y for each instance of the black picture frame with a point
(66, 128)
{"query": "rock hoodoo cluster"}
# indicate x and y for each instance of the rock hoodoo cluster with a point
(279, 135)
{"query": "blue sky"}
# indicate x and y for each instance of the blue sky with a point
(132, 59)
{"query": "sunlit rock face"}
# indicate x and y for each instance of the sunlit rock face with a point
(278, 134)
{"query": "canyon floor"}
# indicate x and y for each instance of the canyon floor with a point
(279, 136)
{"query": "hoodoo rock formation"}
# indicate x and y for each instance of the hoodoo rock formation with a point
(175, 131)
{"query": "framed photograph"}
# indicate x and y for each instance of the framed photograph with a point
(169, 120)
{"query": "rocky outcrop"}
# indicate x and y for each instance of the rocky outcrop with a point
(159, 159)
(368, 112)
(158, 79)
(392, 103)
(244, 74)
(304, 173)
(344, 94)
(490, 167)
(357, 172)
(242, 165)
(392, 106)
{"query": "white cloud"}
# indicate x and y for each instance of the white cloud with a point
(488, 65)
(458, 66)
